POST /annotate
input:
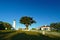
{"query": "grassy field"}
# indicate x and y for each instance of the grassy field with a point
(28, 35)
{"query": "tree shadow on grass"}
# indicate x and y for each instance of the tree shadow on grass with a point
(4, 34)
(24, 36)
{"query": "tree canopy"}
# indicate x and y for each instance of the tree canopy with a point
(27, 21)
(55, 25)
(4, 25)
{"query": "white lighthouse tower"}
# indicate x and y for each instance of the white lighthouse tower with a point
(14, 23)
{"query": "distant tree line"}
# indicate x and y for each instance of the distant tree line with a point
(5, 25)
(27, 21)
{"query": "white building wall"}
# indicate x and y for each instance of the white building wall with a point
(14, 24)
(42, 28)
(48, 28)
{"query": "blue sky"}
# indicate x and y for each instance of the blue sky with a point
(43, 11)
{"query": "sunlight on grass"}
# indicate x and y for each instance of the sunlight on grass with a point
(53, 34)
(31, 33)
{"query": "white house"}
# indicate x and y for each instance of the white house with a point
(47, 28)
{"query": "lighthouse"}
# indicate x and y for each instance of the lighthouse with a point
(14, 23)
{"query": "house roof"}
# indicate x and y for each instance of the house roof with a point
(45, 26)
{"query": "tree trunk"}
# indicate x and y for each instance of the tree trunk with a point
(26, 26)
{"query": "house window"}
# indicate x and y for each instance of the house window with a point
(45, 28)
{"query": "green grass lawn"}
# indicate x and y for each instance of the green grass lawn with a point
(28, 35)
